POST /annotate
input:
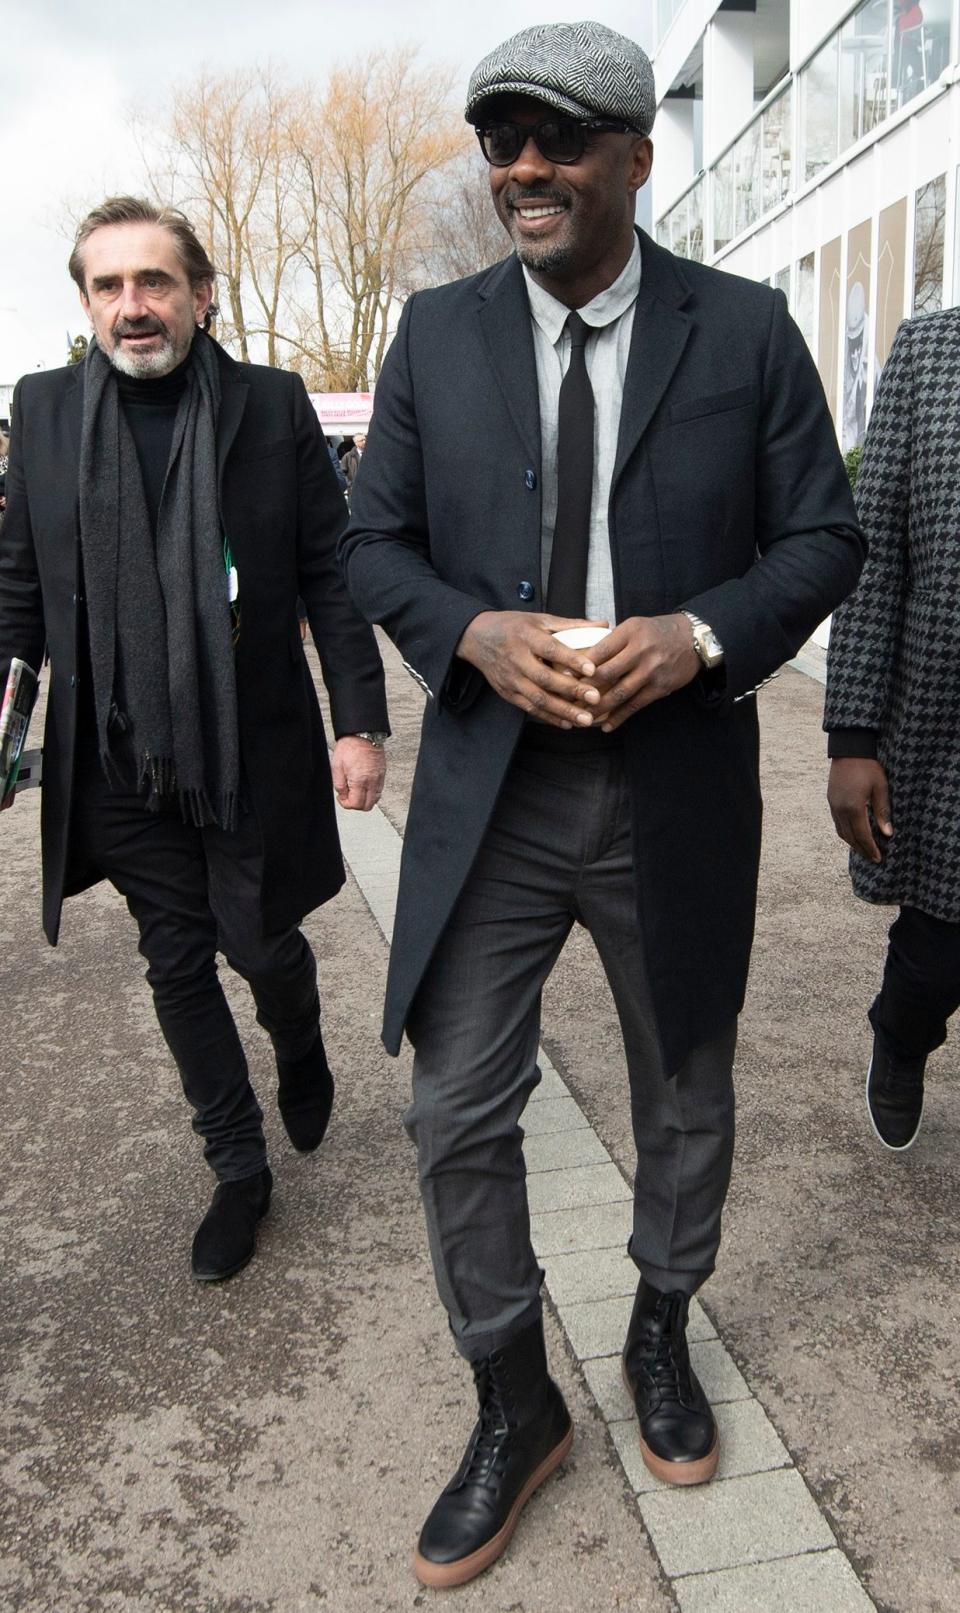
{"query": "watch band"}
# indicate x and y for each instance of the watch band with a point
(373, 736)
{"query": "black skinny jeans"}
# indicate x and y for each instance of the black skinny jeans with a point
(921, 985)
(194, 892)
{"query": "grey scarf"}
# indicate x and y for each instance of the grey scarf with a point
(159, 614)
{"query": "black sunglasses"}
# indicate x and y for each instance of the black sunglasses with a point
(559, 139)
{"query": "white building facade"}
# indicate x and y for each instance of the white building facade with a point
(815, 144)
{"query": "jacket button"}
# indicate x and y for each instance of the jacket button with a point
(526, 591)
(73, 682)
(530, 479)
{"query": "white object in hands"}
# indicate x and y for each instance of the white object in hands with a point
(580, 638)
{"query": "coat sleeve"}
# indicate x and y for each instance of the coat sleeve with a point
(809, 547)
(865, 633)
(385, 551)
(22, 631)
(349, 657)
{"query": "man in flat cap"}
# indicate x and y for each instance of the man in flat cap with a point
(640, 445)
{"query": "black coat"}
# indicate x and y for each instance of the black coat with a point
(282, 513)
(729, 498)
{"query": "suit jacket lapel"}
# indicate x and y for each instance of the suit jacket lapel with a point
(505, 328)
(660, 334)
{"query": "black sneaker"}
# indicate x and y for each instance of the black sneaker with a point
(523, 1433)
(895, 1097)
(679, 1441)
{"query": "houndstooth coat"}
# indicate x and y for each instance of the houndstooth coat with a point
(894, 658)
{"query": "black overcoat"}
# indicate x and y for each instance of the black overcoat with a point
(729, 498)
(282, 513)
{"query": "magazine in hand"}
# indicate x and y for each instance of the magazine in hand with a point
(18, 702)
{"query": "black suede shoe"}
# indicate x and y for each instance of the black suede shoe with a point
(227, 1236)
(895, 1098)
(524, 1432)
(305, 1097)
(679, 1442)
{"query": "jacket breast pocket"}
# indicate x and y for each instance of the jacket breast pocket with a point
(714, 403)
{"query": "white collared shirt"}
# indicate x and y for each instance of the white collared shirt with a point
(611, 316)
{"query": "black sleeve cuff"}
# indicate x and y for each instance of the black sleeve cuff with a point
(852, 742)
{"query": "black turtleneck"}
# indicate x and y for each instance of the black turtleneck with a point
(150, 404)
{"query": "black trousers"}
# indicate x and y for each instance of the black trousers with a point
(921, 984)
(194, 892)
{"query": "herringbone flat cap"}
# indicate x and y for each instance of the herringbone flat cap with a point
(581, 68)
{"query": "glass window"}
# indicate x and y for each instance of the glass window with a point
(695, 237)
(777, 152)
(723, 202)
(748, 177)
(782, 282)
(818, 108)
(803, 311)
(921, 46)
(864, 71)
(928, 245)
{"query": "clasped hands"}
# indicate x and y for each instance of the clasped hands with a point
(639, 661)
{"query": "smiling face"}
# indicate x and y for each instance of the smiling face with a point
(139, 299)
(571, 223)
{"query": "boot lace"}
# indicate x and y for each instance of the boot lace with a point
(487, 1455)
(665, 1360)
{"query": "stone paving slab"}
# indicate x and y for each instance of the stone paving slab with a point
(821, 1582)
(552, 1115)
(565, 1148)
(590, 1274)
(550, 1086)
(733, 1522)
(749, 1443)
(584, 1184)
(591, 1226)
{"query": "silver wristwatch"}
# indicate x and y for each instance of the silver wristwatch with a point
(705, 642)
(373, 736)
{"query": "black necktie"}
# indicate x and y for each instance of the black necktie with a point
(567, 585)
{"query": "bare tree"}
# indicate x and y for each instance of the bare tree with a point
(381, 131)
(310, 200)
(460, 233)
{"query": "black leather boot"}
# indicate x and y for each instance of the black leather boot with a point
(305, 1097)
(523, 1433)
(678, 1433)
(227, 1236)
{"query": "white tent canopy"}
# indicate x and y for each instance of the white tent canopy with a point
(343, 414)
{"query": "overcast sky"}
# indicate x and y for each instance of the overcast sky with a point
(74, 71)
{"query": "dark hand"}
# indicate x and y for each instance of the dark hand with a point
(519, 657)
(641, 660)
(856, 784)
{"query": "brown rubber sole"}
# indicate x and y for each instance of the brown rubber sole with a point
(675, 1472)
(443, 1576)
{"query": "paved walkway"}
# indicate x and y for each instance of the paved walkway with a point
(270, 1445)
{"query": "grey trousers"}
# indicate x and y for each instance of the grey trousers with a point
(558, 851)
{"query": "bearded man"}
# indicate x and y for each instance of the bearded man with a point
(166, 506)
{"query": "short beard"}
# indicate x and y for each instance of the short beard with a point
(544, 259)
(146, 366)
